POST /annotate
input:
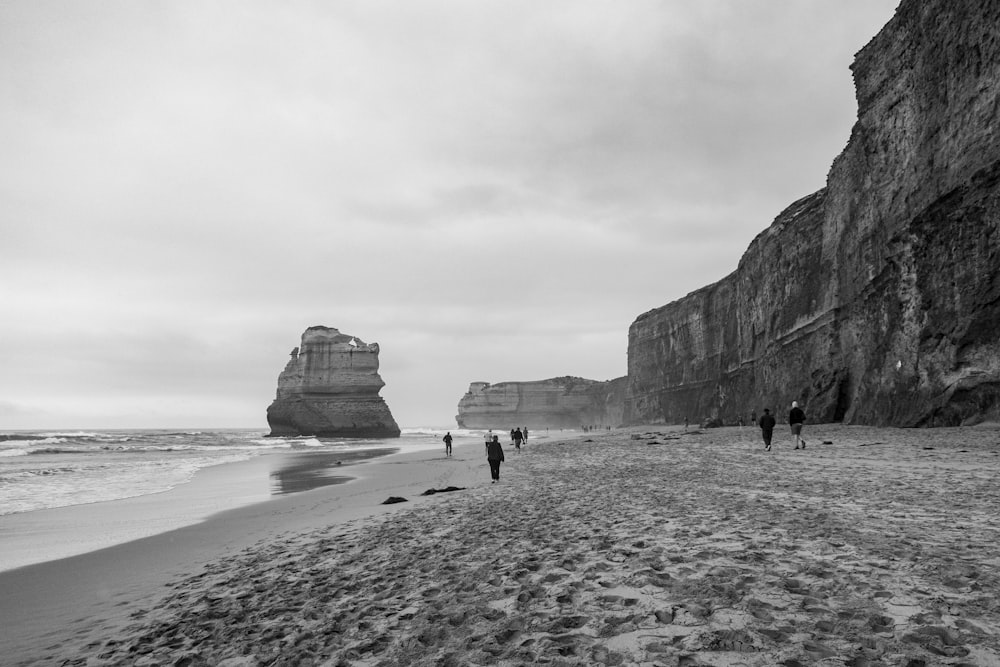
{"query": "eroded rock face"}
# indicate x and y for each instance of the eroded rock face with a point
(330, 388)
(564, 402)
(877, 299)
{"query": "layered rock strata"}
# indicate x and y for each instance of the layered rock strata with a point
(563, 402)
(330, 388)
(877, 299)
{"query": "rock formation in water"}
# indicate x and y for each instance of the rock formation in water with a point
(330, 388)
(563, 402)
(877, 299)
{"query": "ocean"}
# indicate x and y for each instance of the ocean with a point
(48, 469)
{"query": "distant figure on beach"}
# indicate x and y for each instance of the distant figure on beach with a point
(795, 419)
(524, 434)
(767, 428)
(685, 422)
(494, 455)
(753, 416)
(517, 439)
(447, 443)
(512, 436)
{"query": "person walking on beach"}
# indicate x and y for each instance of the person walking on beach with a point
(447, 443)
(494, 455)
(767, 428)
(796, 417)
(524, 434)
(517, 439)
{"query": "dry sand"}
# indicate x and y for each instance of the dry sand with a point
(647, 546)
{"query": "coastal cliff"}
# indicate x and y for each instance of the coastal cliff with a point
(563, 402)
(877, 299)
(330, 388)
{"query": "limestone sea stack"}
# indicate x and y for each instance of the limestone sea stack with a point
(329, 388)
(877, 299)
(562, 402)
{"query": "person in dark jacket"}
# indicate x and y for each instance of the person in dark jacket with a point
(796, 418)
(494, 454)
(767, 428)
(447, 443)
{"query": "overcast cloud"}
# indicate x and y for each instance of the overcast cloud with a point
(490, 190)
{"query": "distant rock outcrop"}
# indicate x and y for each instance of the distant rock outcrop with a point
(330, 388)
(877, 299)
(563, 402)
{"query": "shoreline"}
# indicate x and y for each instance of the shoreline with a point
(38, 536)
(99, 588)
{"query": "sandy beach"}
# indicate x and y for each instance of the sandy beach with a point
(645, 546)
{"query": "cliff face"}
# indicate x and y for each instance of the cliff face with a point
(564, 402)
(877, 299)
(330, 388)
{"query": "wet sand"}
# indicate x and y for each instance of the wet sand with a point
(642, 547)
(34, 537)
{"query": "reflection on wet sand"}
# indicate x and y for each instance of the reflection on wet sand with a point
(312, 470)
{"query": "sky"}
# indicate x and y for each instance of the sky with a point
(492, 190)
